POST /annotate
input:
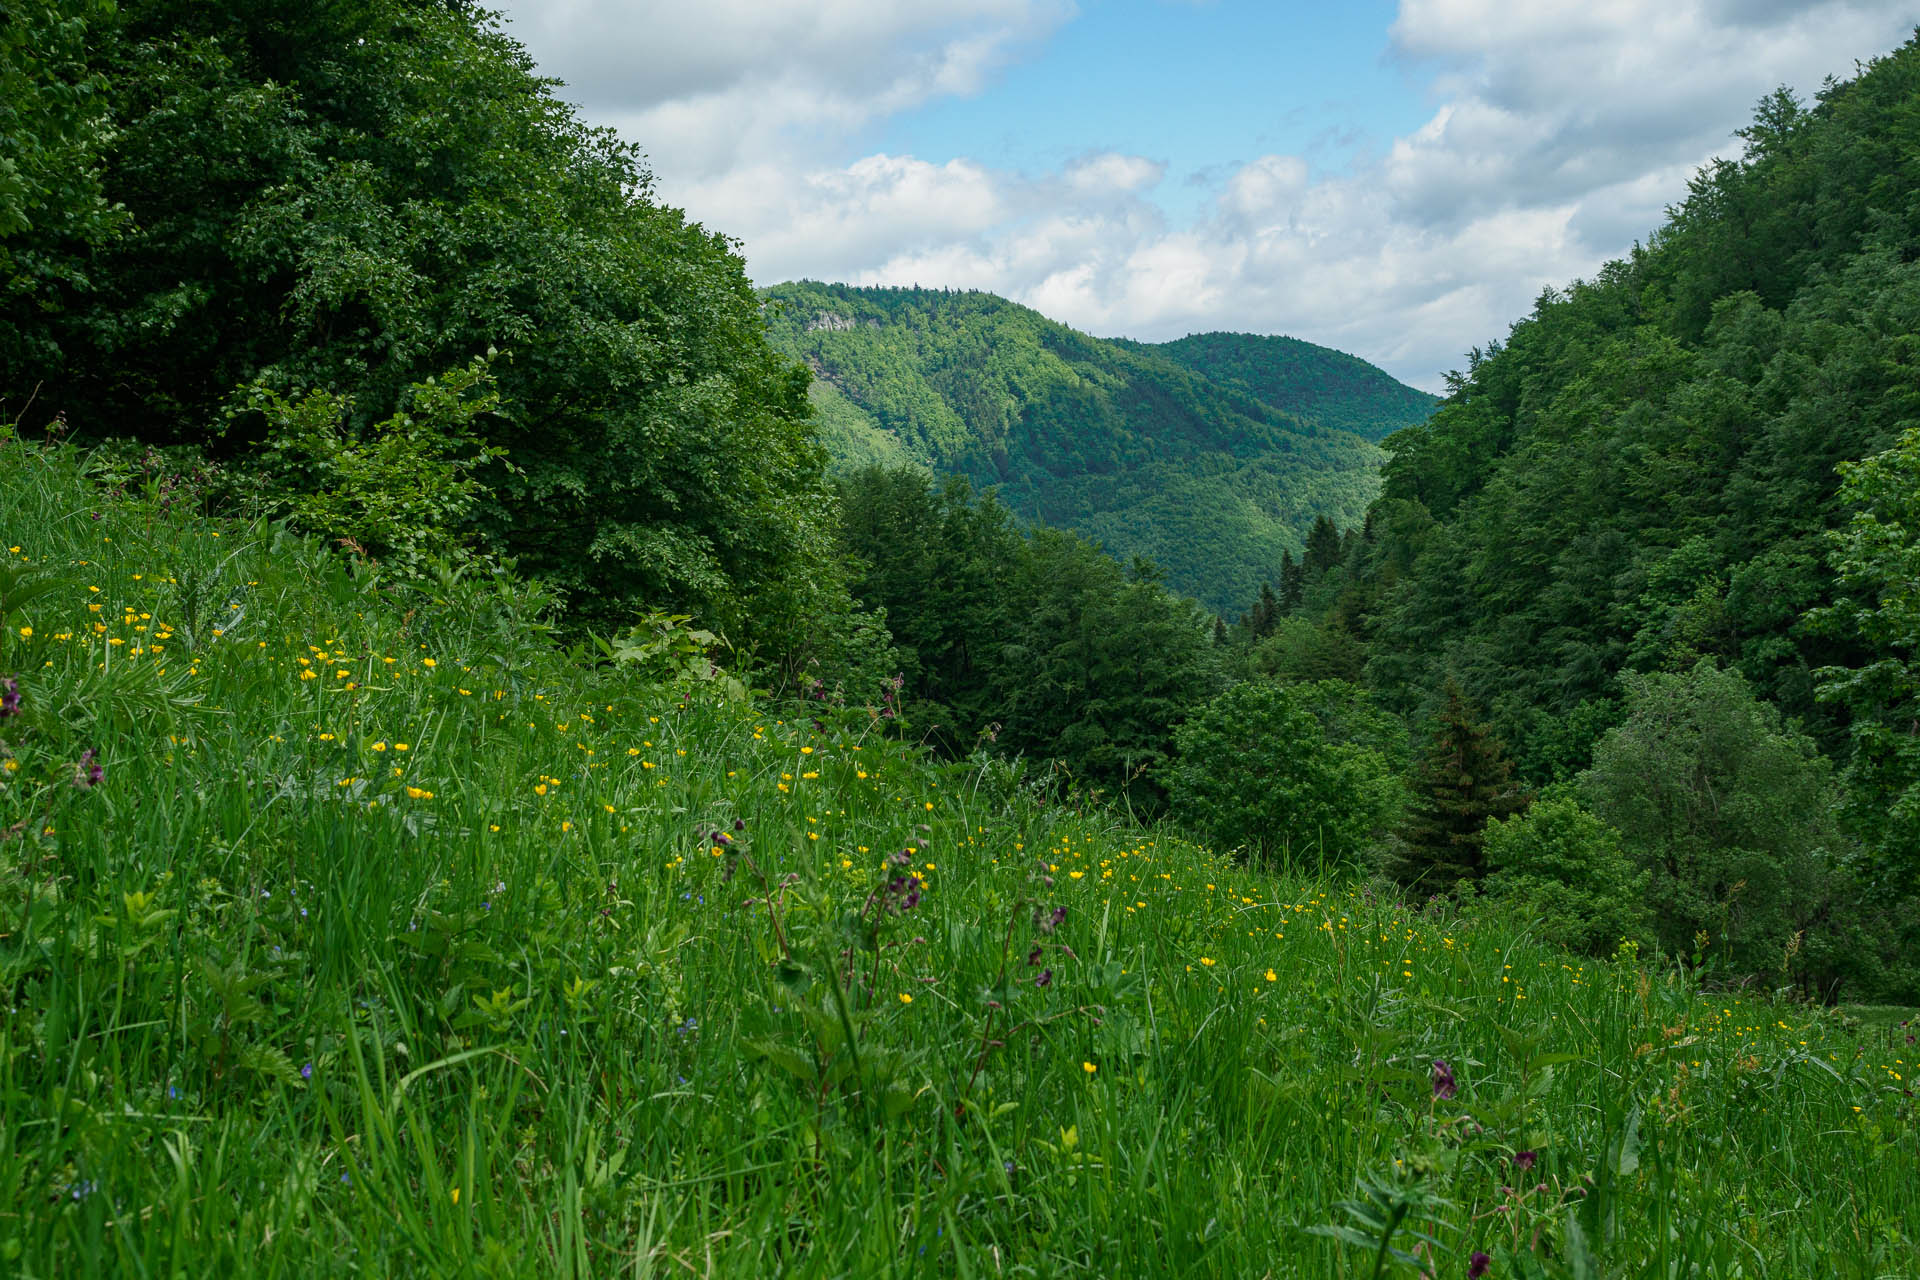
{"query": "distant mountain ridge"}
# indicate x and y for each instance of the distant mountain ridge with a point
(1210, 456)
(1311, 382)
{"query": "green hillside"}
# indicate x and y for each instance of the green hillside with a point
(1667, 532)
(357, 931)
(1311, 382)
(1117, 441)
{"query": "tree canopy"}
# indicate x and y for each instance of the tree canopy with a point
(354, 196)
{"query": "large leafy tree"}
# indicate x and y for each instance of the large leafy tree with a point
(1042, 645)
(355, 195)
(1728, 807)
(53, 212)
(1101, 663)
(1877, 558)
(942, 562)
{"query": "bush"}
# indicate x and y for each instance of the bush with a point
(403, 491)
(1259, 770)
(1564, 868)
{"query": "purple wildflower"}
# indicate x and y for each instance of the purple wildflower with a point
(1443, 1082)
(9, 697)
(306, 1072)
(88, 772)
(1524, 1160)
(1034, 957)
(1045, 979)
(1477, 1265)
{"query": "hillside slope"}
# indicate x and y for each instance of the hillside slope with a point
(349, 935)
(1647, 470)
(1117, 441)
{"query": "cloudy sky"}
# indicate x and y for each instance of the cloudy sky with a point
(1395, 180)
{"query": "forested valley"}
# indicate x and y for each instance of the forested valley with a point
(522, 753)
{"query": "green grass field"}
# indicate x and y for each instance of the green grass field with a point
(392, 940)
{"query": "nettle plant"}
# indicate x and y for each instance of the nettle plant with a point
(839, 988)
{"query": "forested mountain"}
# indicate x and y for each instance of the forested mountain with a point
(1646, 471)
(1667, 535)
(1311, 382)
(1128, 444)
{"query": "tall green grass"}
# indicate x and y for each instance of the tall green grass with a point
(394, 941)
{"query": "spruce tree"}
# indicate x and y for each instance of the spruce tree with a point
(1464, 781)
(1323, 546)
(1266, 613)
(1293, 582)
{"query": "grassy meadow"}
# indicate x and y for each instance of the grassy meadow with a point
(391, 938)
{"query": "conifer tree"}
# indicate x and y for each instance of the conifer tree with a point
(1323, 546)
(1464, 781)
(1266, 613)
(1293, 582)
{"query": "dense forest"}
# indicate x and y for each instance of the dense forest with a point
(1210, 456)
(1664, 535)
(1310, 382)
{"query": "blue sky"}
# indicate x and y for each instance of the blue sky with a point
(1202, 88)
(1394, 178)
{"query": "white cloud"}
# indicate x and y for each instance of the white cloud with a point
(708, 87)
(1560, 132)
(1111, 172)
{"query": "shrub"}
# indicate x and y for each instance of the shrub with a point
(1564, 868)
(1258, 770)
(403, 491)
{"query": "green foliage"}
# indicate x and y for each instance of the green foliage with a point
(1464, 781)
(666, 650)
(53, 130)
(1876, 557)
(942, 565)
(850, 436)
(1642, 474)
(1562, 869)
(1726, 806)
(1042, 645)
(1117, 441)
(1314, 384)
(1100, 665)
(404, 491)
(1290, 773)
(355, 197)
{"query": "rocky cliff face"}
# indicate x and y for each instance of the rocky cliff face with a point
(832, 322)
